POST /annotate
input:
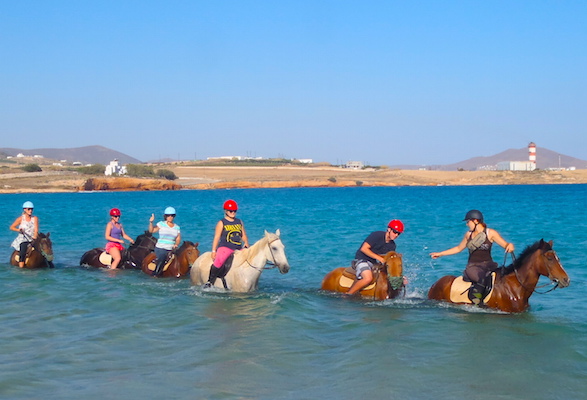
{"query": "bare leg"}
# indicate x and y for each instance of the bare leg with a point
(367, 277)
(115, 253)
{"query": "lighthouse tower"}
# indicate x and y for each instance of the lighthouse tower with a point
(532, 154)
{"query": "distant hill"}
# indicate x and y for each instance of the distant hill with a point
(544, 159)
(85, 155)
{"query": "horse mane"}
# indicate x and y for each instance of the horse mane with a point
(525, 254)
(146, 234)
(184, 245)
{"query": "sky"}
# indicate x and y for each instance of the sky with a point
(383, 82)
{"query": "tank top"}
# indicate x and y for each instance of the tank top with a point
(232, 234)
(480, 253)
(29, 229)
(116, 231)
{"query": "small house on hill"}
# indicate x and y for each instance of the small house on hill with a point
(114, 168)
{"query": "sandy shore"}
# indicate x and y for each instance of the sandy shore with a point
(202, 178)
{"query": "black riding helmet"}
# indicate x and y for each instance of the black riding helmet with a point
(474, 214)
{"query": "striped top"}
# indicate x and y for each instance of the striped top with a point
(167, 235)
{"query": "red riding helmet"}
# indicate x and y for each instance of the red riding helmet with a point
(396, 225)
(115, 212)
(230, 205)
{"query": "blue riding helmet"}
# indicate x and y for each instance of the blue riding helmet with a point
(169, 211)
(28, 204)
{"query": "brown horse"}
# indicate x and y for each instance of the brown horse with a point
(132, 257)
(512, 288)
(178, 264)
(387, 283)
(39, 253)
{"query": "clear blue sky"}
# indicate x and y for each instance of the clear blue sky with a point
(384, 82)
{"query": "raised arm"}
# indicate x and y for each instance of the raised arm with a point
(453, 250)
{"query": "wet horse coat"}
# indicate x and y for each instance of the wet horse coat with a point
(178, 264)
(39, 253)
(387, 280)
(512, 289)
(132, 257)
(247, 264)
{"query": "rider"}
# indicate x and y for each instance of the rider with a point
(115, 236)
(27, 227)
(374, 247)
(480, 265)
(229, 235)
(169, 237)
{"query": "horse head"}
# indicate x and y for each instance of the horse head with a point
(551, 266)
(275, 252)
(44, 245)
(136, 252)
(189, 251)
(393, 262)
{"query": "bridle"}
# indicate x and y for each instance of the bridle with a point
(552, 282)
(273, 265)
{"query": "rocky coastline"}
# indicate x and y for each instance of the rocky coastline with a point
(209, 178)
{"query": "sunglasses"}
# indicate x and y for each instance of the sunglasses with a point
(394, 231)
(231, 211)
(169, 215)
(28, 209)
(116, 216)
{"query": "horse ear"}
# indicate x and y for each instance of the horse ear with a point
(196, 244)
(550, 242)
(48, 234)
(266, 233)
(277, 232)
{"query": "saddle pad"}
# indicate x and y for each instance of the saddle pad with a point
(459, 290)
(152, 265)
(17, 258)
(347, 282)
(105, 258)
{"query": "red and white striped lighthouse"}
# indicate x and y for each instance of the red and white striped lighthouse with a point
(532, 153)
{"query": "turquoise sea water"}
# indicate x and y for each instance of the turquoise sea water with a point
(72, 333)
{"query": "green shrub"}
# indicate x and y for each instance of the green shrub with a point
(332, 179)
(167, 174)
(359, 183)
(32, 168)
(96, 169)
(140, 171)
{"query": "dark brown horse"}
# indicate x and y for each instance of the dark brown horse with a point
(178, 264)
(512, 288)
(39, 253)
(387, 283)
(132, 257)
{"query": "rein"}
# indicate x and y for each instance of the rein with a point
(272, 256)
(523, 286)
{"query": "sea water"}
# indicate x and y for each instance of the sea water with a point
(77, 333)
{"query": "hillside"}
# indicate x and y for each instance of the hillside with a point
(85, 155)
(544, 159)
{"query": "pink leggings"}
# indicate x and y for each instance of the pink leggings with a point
(222, 253)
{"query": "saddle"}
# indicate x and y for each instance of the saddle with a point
(105, 258)
(29, 250)
(459, 290)
(152, 266)
(349, 276)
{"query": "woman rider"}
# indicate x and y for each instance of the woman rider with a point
(169, 237)
(27, 227)
(478, 240)
(229, 235)
(115, 236)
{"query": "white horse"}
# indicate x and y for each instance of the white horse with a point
(247, 264)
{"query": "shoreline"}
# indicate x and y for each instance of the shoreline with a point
(211, 178)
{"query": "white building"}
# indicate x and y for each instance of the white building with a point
(115, 169)
(354, 165)
(516, 166)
